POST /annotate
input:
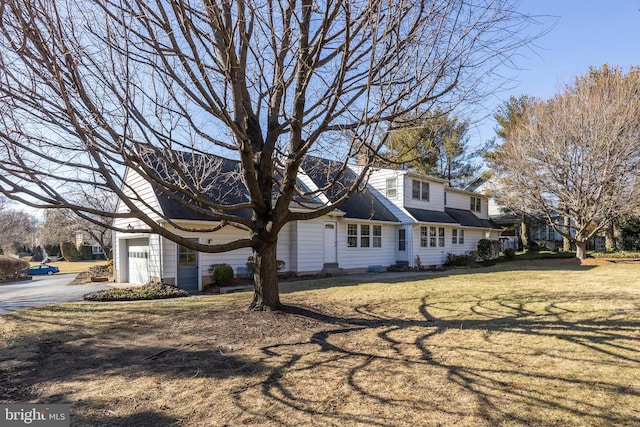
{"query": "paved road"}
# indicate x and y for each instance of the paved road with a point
(42, 290)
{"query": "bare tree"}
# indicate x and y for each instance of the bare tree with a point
(578, 154)
(16, 229)
(61, 225)
(89, 88)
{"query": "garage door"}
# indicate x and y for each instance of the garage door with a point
(138, 260)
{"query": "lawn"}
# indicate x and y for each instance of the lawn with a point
(537, 343)
(73, 266)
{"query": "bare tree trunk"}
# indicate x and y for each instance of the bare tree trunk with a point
(566, 243)
(581, 249)
(524, 234)
(266, 296)
(609, 238)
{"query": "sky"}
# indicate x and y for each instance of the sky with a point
(581, 33)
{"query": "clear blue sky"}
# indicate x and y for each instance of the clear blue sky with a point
(584, 33)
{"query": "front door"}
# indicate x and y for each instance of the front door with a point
(330, 243)
(187, 268)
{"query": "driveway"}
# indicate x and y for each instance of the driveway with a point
(43, 290)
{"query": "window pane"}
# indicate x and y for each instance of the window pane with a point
(424, 236)
(454, 237)
(416, 189)
(352, 235)
(402, 240)
(364, 236)
(377, 236)
(432, 237)
(425, 191)
(461, 237)
(441, 237)
(392, 185)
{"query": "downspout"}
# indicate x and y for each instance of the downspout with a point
(161, 262)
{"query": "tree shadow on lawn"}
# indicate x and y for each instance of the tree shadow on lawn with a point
(130, 352)
(421, 372)
(560, 264)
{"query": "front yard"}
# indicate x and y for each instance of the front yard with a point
(537, 343)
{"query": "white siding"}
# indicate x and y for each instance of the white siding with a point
(359, 257)
(430, 255)
(378, 180)
(462, 200)
(138, 189)
(436, 194)
(310, 243)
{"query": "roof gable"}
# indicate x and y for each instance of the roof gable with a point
(360, 205)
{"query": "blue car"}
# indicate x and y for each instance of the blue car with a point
(42, 269)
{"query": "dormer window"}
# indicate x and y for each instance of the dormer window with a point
(392, 188)
(476, 204)
(420, 190)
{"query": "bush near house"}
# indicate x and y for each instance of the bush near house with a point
(11, 267)
(146, 292)
(465, 260)
(509, 253)
(221, 274)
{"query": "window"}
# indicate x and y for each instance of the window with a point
(432, 237)
(425, 191)
(420, 190)
(364, 236)
(402, 240)
(476, 204)
(392, 188)
(445, 198)
(457, 237)
(377, 236)
(352, 235)
(187, 257)
(424, 237)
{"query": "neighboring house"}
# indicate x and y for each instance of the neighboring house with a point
(541, 230)
(399, 216)
(85, 239)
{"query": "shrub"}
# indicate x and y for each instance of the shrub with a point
(146, 292)
(484, 249)
(99, 271)
(11, 267)
(454, 260)
(221, 274)
(110, 267)
(509, 253)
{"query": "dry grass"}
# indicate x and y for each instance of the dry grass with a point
(551, 343)
(73, 266)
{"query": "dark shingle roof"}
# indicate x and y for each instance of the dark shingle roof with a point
(469, 219)
(360, 205)
(425, 215)
(217, 180)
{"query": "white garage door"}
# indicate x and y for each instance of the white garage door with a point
(138, 260)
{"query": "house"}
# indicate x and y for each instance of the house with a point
(541, 231)
(83, 238)
(399, 216)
